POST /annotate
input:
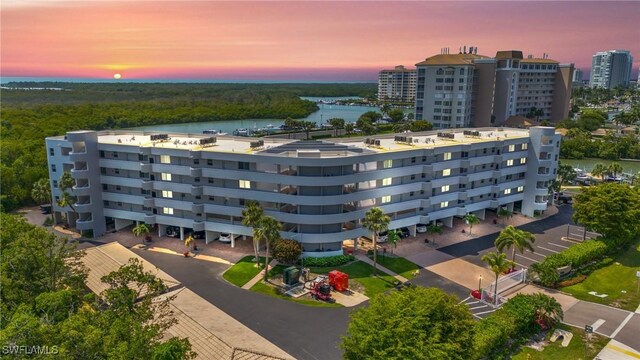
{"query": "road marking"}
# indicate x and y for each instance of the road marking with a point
(535, 253)
(624, 351)
(535, 261)
(469, 297)
(478, 307)
(624, 322)
(562, 246)
(522, 266)
(473, 303)
(544, 248)
(597, 324)
(485, 312)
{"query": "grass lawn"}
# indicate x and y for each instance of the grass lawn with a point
(399, 265)
(243, 271)
(361, 272)
(262, 288)
(575, 351)
(613, 280)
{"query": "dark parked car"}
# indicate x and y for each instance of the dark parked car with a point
(404, 232)
(173, 231)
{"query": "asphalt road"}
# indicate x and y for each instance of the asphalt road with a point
(548, 234)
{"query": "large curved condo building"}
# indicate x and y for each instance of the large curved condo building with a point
(318, 190)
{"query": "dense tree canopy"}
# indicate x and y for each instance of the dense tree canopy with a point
(45, 302)
(417, 323)
(610, 209)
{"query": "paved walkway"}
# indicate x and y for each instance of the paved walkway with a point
(260, 276)
(366, 259)
(616, 350)
(457, 270)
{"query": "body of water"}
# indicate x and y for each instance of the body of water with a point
(632, 167)
(326, 112)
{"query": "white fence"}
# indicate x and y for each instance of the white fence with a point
(505, 283)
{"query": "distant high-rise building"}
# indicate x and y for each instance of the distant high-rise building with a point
(398, 84)
(467, 89)
(610, 69)
(577, 78)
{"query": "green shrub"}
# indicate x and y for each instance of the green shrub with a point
(287, 251)
(577, 256)
(328, 261)
(585, 252)
(574, 280)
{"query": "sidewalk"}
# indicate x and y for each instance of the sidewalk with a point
(366, 259)
(260, 275)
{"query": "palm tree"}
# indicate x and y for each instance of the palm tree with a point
(65, 183)
(600, 170)
(504, 213)
(498, 263)
(251, 217)
(385, 108)
(268, 229)
(141, 229)
(548, 310)
(41, 192)
(516, 239)
(435, 230)
(471, 219)
(614, 169)
(375, 221)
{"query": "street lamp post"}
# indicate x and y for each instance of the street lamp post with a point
(480, 283)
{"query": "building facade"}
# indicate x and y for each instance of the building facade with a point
(466, 89)
(319, 190)
(578, 80)
(398, 84)
(610, 69)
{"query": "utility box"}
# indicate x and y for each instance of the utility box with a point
(339, 280)
(291, 276)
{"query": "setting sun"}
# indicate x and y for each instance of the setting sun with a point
(117, 76)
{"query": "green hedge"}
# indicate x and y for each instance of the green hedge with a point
(577, 256)
(328, 261)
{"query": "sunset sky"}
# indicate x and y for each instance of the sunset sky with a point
(295, 40)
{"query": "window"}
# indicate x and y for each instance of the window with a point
(245, 184)
(165, 159)
(447, 156)
(523, 160)
(510, 162)
(51, 152)
(116, 171)
(166, 177)
(210, 162)
(520, 188)
(387, 164)
(196, 161)
(446, 172)
(243, 165)
(386, 199)
(55, 183)
(53, 168)
(444, 188)
(444, 204)
(386, 182)
(512, 148)
(167, 193)
(525, 146)
(507, 191)
(115, 154)
(167, 210)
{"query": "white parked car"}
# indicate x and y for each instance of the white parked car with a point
(383, 237)
(421, 228)
(226, 237)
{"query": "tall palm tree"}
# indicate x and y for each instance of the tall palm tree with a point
(268, 229)
(614, 169)
(41, 192)
(375, 220)
(471, 219)
(548, 310)
(504, 213)
(435, 230)
(516, 239)
(65, 183)
(498, 263)
(600, 170)
(385, 108)
(251, 217)
(141, 229)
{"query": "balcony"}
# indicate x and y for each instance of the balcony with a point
(198, 226)
(197, 208)
(289, 172)
(78, 154)
(81, 190)
(150, 219)
(85, 222)
(145, 167)
(349, 207)
(196, 172)
(147, 184)
(196, 190)
(149, 202)
(288, 208)
(289, 190)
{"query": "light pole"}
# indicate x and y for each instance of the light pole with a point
(480, 283)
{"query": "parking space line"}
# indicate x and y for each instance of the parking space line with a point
(562, 246)
(535, 261)
(478, 307)
(597, 324)
(485, 312)
(544, 248)
(469, 297)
